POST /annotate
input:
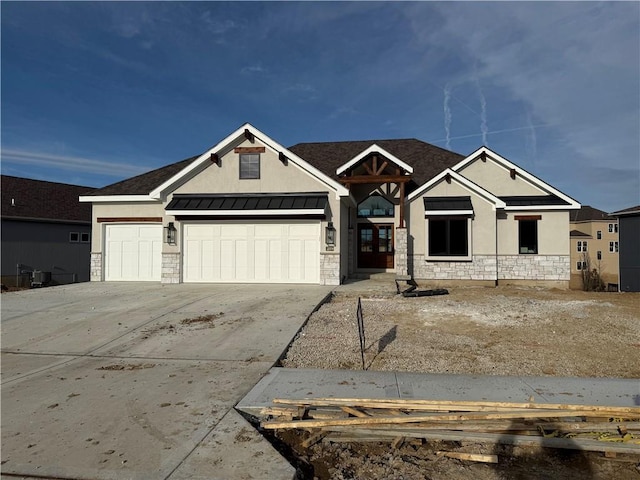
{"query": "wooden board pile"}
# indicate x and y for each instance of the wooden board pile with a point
(582, 427)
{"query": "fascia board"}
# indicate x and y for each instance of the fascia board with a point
(374, 148)
(469, 185)
(245, 213)
(535, 181)
(162, 190)
(516, 208)
(117, 198)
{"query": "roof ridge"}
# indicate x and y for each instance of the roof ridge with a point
(48, 181)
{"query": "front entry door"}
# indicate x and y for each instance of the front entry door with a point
(375, 245)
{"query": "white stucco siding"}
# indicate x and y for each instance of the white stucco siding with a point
(121, 210)
(553, 232)
(483, 225)
(497, 179)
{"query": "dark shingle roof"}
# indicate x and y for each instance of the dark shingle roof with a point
(587, 213)
(145, 183)
(628, 211)
(37, 199)
(578, 233)
(427, 160)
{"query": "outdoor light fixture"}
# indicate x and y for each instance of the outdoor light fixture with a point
(170, 234)
(330, 235)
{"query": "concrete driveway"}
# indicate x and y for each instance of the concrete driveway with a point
(107, 380)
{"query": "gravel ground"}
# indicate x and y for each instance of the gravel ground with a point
(501, 331)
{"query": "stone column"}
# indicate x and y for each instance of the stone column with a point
(95, 274)
(401, 254)
(170, 268)
(329, 268)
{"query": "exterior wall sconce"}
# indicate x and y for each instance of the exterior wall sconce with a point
(330, 236)
(170, 234)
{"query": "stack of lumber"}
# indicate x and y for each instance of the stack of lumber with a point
(581, 427)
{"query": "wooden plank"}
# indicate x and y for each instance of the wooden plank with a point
(375, 179)
(129, 219)
(473, 457)
(527, 217)
(453, 405)
(354, 411)
(313, 439)
(249, 150)
(397, 442)
(433, 417)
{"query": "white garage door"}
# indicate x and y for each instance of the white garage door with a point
(253, 253)
(133, 252)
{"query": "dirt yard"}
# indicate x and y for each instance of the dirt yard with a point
(473, 330)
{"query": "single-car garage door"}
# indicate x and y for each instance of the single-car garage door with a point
(264, 252)
(133, 252)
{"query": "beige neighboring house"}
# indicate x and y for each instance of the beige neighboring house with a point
(249, 210)
(594, 244)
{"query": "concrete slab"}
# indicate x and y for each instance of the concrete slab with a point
(97, 385)
(234, 450)
(309, 383)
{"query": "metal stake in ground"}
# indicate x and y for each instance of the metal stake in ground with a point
(361, 331)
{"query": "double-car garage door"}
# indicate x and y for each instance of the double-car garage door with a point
(264, 252)
(257, 252)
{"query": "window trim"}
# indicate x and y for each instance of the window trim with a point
(76, 234)
(244, 156)
(449, 258)
(82, 236)
(599, 234)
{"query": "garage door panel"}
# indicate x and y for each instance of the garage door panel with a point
(133, 252)
(260, 252)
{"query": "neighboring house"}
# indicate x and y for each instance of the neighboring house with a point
(629, 232)
(44, 228)
(594, 244)
(251, 210)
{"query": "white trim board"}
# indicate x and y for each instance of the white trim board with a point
(466, 183)
(374, 149)
(204, 159)
(532, 179)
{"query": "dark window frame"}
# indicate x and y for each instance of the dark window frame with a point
(455, 231)
(74, 237)
(249, 166)
(528, 237)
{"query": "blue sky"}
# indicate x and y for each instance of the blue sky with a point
(96, 92)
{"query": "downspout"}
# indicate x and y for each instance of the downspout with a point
(497, 269)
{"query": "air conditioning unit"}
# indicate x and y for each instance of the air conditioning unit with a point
(40, 279)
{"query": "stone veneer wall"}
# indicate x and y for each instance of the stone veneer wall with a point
(96, 267)
(170, 268)
(329, 268)
(483, 267)
(535, 267)
(401, 252)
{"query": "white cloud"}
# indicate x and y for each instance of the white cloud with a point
(74, 164)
